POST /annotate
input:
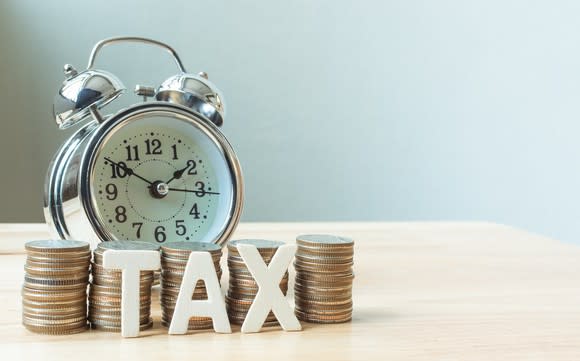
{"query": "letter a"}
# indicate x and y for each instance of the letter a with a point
(269, 296)
(199, 267)
(131, 263)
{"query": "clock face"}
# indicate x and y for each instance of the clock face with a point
(159, 177)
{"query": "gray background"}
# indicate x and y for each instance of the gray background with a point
(339, 110)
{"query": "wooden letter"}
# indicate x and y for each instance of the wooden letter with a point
(199, 267)
(131, 263)
(269, 296)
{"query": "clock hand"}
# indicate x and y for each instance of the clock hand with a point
(198, 193)
(128, 170)
(177, 174)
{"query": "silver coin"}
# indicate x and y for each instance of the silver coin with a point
(326, 239)
(128, 245)
(62, 245)
(259, 243)
(190, 246)
(116, 327)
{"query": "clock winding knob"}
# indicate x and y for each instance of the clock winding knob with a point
(69, 71)
(144, 91)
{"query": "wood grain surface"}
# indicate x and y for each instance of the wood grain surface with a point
(423, 291)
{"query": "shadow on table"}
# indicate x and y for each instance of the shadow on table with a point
(373, 315)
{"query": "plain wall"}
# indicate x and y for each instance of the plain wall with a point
(338, 110)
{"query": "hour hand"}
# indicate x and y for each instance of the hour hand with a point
(127, 170)
(177, 174)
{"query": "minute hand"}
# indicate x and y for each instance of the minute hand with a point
(198, 192)
(128, 170)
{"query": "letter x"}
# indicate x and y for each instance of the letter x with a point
(269, 296)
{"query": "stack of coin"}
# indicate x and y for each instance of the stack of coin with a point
(243, 288)
(54, 295)
(105, 289)
(323, 288)
(174, 257)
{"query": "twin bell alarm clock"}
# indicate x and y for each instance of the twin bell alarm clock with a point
(157, 171)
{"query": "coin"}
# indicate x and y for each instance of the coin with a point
(61, 272)
(66, 329)
(116, 327)
(98, 268)
(56, 246)
(66, 303)
(260, 244)
(127, 245)
(44, 294)
(188, 247)
(324, 240)
(193, 324)
(308, 317)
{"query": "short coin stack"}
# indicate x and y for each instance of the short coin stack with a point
(105, 289)
(323, 288)
(54, 295)
(174, 257)
(242, 287)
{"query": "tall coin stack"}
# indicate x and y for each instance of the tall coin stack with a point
(174, 257)
(323, 288)
(243, 288)
(54, 295)
(105, 289)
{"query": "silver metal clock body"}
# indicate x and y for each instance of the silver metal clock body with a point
(71, 201)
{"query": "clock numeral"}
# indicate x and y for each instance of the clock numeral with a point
(191, 164)
(118, 170)
(160, 235)
(121, 214)
(153, 146)
(111, 191)
(132, 152)
(200, 191)
(194, 211)
(180, 229)
(174, 147)
(138, 225)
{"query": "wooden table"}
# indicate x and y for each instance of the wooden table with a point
(423, 291)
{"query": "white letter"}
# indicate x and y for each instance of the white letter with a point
(131, 263)
(269, 296)
(199, 267)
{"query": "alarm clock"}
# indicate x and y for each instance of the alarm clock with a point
(157, 171)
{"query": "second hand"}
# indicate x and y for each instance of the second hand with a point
(199, 193)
